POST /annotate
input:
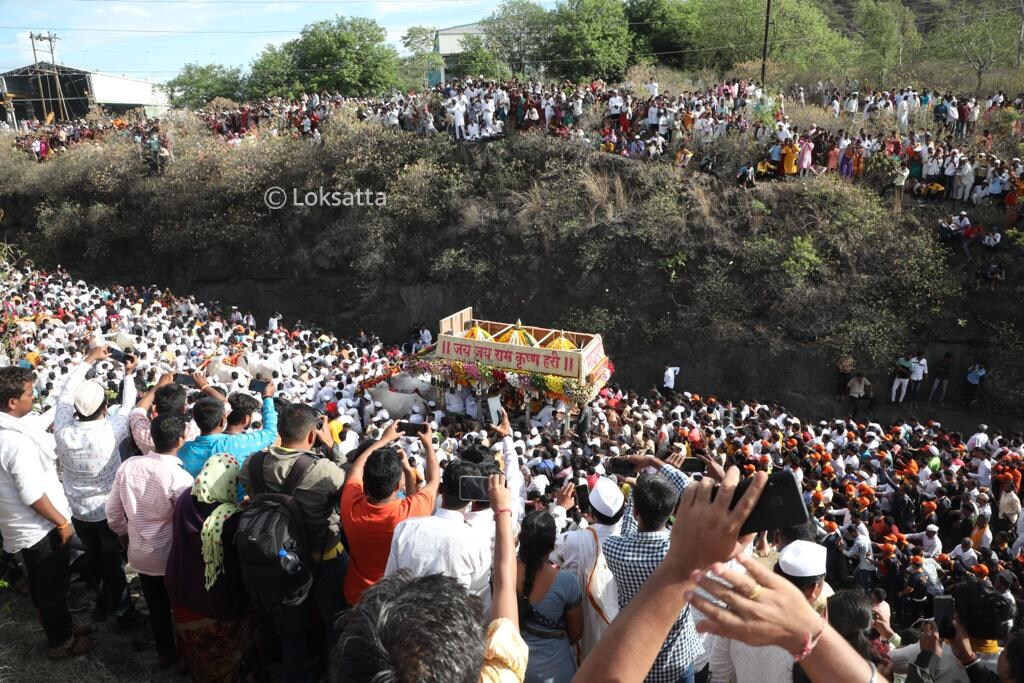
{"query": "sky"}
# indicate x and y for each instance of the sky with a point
(153, 39)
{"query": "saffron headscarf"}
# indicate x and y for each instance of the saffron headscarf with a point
(217, 483)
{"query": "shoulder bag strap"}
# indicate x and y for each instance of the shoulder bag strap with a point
(299, 468)
(590, 578)
(256, 477)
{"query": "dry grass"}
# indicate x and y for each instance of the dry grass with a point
(608, 195)
(117, 657)
(533, 205)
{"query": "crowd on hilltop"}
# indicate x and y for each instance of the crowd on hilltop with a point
(296, 514)
(45, 142)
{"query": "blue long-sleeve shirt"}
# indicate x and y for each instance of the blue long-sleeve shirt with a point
(194, 453)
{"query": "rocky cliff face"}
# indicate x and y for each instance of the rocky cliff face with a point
(753, 293)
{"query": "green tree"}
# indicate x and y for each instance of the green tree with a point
(197, 84)
(517, 32)
(349, 55)
(799, 34)
(978, 35)
(662, 30)
(476, 60)
(590, 38)
(419, 41)
(274, 74)
(888, 33)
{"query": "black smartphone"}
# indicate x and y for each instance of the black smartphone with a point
(621, 466)
(473, 488)
(413, 429)
(942, 609)
(116, 355)
(185, 380)
(692, 465)
(257, 385)
(779, 506)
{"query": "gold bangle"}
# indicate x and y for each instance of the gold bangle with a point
(65, 525)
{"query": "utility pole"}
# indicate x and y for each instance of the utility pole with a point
(50, 38)
(39, 78)
(764, 50)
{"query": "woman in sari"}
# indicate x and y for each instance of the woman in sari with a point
(833, 158)
(846, 163)
(203, 578)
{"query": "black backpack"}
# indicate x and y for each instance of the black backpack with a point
(272, 522)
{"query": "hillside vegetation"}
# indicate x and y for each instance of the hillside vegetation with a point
(643, 253)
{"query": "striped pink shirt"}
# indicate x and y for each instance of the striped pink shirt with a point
(141, 504)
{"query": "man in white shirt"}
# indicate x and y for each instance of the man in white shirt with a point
(455, 402)
(918, 375)
(445, 543)
(983, 473)
(668, 382)
(615, 104)
(803, 564)
(89, 445)
(579, 551)
(965, 554)
(35, 518)
(860, 548)
(979, 439)
(929, 540)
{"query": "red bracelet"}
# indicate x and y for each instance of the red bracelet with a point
(810, 643)
(498, 512)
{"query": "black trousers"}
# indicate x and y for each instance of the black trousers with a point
(49, 580)
(103, 559)
(159, 605)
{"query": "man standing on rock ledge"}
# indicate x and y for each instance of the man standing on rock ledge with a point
(668, 383)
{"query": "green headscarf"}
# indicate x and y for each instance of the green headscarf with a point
(217, 483)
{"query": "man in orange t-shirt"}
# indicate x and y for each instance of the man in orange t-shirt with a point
(371, 508)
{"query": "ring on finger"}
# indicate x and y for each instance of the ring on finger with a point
(756, 592)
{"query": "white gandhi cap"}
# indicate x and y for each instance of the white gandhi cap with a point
(89, 397)
(606, 497)
(802, 559)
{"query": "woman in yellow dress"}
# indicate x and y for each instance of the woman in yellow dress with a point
(789, 154)
(858, 160)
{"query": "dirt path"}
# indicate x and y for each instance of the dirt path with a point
(118, 656)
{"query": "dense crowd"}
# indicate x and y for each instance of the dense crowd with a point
(273, 496)
(45, 142)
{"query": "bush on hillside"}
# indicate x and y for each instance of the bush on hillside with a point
(531, 218)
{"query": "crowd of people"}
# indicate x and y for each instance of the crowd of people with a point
(47, 141)
(294, 518)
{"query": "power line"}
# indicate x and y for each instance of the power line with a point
(299, 30)
(322, 69)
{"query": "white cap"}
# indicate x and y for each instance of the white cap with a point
(606, 497)
(378, 404)
(932, 527)
(802, 559)
(416, 410)
(89, 397)
(614, 450)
